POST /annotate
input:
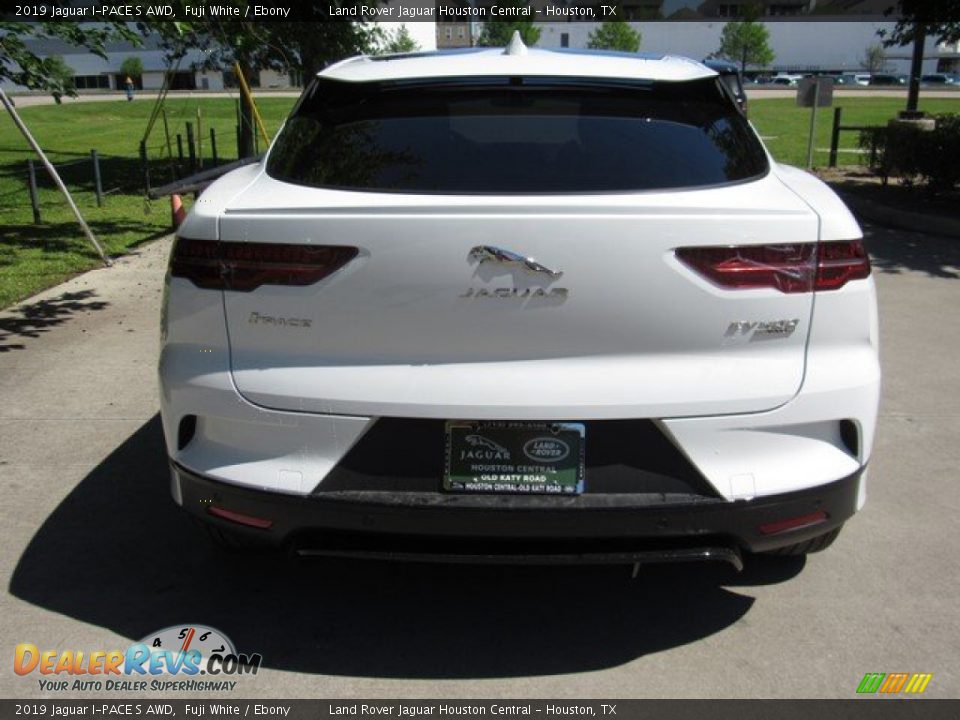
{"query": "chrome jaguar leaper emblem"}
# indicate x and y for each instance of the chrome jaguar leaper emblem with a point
(486, 449)
(490, 253)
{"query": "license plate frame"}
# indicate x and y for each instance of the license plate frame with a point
(514, 457)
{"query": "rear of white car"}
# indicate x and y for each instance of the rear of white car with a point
(520, 305)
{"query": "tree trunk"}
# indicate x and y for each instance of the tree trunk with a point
(916, 68)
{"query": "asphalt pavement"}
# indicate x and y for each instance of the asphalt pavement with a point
(95, 555)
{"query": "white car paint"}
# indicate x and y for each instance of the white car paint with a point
(639, 336)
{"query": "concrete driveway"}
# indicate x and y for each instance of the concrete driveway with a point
(95, 555)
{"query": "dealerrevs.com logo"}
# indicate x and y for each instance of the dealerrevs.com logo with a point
(172, 659)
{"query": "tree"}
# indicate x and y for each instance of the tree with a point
(874, 58)
(614, 35)
(305, 47)
(132, 67)
(939, 20)
(400, 41)
(916, 20)
(745, 43)
(60, 73)
(497, 32)
(21, 66)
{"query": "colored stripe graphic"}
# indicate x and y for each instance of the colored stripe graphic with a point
(871, 682)
(918, 683)
(893, 683)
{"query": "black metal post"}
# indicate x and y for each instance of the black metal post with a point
(144, 165)
(97, 185)
(213, 145)
(34, 199)
(239, 146)
(179, 150)
(916, 70)
(191, 148)
(835, 136)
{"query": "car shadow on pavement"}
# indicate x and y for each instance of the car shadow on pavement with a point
(29, 320)
(117, 553)
(897, 251)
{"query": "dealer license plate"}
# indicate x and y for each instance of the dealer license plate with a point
(514, 457)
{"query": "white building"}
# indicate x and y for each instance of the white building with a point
(95, 73)
(803, 46)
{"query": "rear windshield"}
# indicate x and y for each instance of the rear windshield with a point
(515, 135)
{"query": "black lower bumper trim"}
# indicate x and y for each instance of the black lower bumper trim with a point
(730, 555)
(443, 524)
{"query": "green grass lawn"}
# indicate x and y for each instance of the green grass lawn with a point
(33, 257)
(785, 127)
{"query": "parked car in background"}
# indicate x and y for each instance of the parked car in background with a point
(937, 80)
(862, 78)
(847, 80)
(786, 80)
(520, 305)
(885, 79)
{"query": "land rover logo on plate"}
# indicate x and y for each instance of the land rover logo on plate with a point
(546, 449)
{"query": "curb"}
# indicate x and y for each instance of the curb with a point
(877, 214)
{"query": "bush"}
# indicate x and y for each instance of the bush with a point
(59, 77)
(132, 67)
(614, 35)
(930, 156)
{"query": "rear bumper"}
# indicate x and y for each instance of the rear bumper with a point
(628, 526)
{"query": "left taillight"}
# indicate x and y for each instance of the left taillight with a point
(244, 266)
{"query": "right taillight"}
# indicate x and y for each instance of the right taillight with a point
(840, 261)
(245, 266)
(789, 268)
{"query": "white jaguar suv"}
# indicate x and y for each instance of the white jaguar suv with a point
(520, 305)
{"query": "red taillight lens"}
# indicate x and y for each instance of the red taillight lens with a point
(198, 261)
(794, 268)
(840, 262)
(794, 523)
(787, 268)
(240, 518)
(246, 266)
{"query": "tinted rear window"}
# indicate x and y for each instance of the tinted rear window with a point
(515, 136)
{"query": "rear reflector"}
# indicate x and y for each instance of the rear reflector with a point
(239, 518)
(246, 266)
(789, 268)
(795, 523)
